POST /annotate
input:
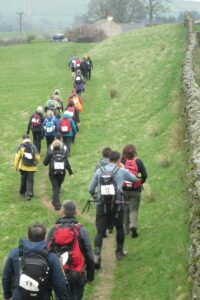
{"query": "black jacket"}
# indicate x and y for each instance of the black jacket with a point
(36, 129)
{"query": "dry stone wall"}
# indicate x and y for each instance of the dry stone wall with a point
(192, 107)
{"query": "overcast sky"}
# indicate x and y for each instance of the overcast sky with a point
(45, 8)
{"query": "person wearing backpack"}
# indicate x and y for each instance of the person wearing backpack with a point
(68, 130)
(90, 67)
(26, 159)
(52, 104)
(35, 125)
(109, 208)
(59, 100)
(70, 240)
(56, 158)
(50, 128)
(74, 114)
(132, 192)
(79, 83)
(31, 271)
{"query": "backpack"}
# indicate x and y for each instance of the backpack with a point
(57, 162)
(28, 157)
(34, 272)
(65, 126)
(77, 104)
(107, 187)
(78, 79)
(65, 243)
(49, 127)
(52, 104)
(36, 121)
(132, 167)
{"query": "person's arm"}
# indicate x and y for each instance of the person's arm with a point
(7, 278)
(142, 170)
(29, 125)
(88, 254)
(47, 158)
(36, 154)
(73, 126)
(57, 278)
(128, 176)
(68, 167)
(17, 159)
(93, 183)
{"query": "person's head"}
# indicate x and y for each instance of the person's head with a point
(49, 113)
(78, 72)
(114, 156)
(106, 152)
(57, 145)
(88, 58)
(57, 92)
(25, 139)
(39, 110)
(58, 136)
(129, 151)
(36, 232)
(69, 208)
(71, 103)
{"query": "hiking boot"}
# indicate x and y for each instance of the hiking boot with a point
(134, 233)
(121, 255)
(97, 262)
(105, 235)
(28, 197)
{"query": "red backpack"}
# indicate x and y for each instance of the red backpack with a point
(65, 242)
(36, 121)
(132, 167)
(65, 126)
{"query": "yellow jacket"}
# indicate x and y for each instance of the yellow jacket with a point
(18, 163)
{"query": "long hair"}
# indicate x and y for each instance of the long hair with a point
(129, 151)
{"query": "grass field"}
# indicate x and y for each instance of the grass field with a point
(144, 67)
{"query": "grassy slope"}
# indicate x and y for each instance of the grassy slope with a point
(144, 67)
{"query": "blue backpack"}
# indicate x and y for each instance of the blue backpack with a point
(49, 128)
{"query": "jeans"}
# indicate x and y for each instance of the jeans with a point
(56, 181)
(27, 182)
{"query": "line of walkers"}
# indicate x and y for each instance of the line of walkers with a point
(59, 128)
(63, 261)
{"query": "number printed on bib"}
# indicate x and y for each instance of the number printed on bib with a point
(59, 165)
(107, 190)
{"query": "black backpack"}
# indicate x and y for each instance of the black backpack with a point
(28, 157)
(107, 186)
(57, 162)
(34, 272)
(78, 79)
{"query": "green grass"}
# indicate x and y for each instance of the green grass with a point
(144, 67)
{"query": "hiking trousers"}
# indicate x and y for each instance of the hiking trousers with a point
(76, 289)
(27, 182)
(103, 221)
(56, 181)
(49, 140)
(131, 210)
(67, 140)
(37, 139)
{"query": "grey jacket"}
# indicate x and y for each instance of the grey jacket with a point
(120, 176)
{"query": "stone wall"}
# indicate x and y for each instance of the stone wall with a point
(192, 107)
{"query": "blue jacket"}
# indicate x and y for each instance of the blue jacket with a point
(120, 176)
(74, 130)
(10, 278)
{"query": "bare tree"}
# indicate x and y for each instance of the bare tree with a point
(153, 8)
(122, 11)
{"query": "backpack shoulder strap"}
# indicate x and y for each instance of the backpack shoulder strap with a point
(114, 171)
